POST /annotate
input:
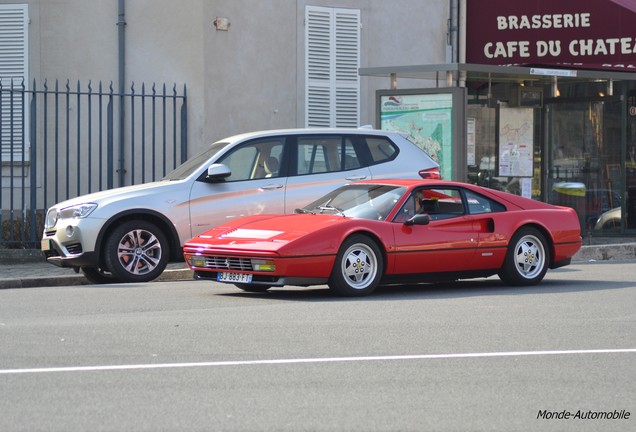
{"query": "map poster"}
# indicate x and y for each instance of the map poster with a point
(426, 119)
(516, 150)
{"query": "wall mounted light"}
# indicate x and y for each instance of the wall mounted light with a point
(222, 24)
(555, 87)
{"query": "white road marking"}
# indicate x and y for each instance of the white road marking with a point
(313, 360)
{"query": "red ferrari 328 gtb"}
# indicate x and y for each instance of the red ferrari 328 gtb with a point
(374, 232)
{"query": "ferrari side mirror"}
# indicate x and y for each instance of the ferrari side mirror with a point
(418, 219)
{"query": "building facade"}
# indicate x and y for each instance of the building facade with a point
(244, 66)
(534, 98)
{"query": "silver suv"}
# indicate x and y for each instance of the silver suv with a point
(130, 234)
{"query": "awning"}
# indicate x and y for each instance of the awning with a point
(453, 72)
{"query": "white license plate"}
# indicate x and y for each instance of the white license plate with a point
(234, 277)
(45, 245)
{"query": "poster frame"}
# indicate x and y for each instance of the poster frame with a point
(501, 148)
(457, 168)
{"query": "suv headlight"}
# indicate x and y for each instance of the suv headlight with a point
(51, 218)
(79, 211)
(74, 212)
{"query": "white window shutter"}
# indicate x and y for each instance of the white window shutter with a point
(13, 72)
(331, 67)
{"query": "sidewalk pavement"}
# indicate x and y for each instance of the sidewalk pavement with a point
(28, 269)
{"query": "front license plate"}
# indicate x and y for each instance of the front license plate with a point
(45, 245)
(234, 277)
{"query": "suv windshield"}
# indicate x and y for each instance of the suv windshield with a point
(193, 164)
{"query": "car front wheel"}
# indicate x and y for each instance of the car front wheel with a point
(136, 251)
(527, 259)
(358, 267)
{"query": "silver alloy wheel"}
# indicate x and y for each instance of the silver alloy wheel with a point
(139, 251)
(530, 258)
(359, 266)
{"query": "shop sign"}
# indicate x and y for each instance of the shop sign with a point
(584, 34)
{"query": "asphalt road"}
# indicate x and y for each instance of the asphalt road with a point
(196, 355)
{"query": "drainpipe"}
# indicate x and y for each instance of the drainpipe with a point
(461, 40)
(452, 37)
(454, 14)
(121, 26)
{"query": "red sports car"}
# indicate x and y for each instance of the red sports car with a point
(375, 232)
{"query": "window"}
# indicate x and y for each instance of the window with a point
(437, 203)
(478, 204)
(332, 59)
(381, 149)
(321, 154)
(256, 160)
(13, 76)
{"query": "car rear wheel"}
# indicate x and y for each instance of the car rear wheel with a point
(97, 275)
(253, 288)
(358, 267)
(136, 251)
(527, 259)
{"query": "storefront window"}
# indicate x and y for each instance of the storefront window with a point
(585, 159)
(484, 165)
(583, 167)
(630, 167)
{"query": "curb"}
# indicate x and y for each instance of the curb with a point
(79, 279)
(617, 251)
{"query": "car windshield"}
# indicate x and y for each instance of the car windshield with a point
(366, 201)
(194, 163)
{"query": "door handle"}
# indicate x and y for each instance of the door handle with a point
(356, 177)
(272, 186)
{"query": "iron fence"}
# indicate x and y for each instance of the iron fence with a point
(60, 141)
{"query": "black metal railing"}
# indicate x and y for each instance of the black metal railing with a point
(60, 141)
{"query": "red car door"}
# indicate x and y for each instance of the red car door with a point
(443, 245)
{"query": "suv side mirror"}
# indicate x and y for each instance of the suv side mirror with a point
(418, 219)
(217, 172)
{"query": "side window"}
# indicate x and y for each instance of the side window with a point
(255, 160)
(478, 204)
(441, 203)
(410, 208)
(381, 149)
(323, 154)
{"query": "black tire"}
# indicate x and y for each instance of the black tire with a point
(97, 275)
(358, 268)
(136, 251)
(253, 288)
(527, 259)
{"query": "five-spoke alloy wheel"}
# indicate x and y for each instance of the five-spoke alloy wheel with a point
(527, 259)
(358, 267)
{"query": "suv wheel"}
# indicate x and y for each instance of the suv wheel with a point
(136, 251)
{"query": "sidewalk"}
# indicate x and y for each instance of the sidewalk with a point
(27, 268)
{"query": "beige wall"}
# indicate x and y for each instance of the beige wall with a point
(247, 78)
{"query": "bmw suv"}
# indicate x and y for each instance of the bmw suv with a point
(130, 234)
